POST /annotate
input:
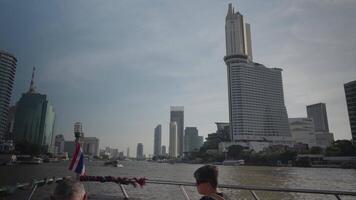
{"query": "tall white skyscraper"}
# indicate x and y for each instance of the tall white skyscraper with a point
(157, 140)
(173, 139)
(256, 103)
(7, 77)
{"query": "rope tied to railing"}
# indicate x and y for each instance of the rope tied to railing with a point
(119, 180)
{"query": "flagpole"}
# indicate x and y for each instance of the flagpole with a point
(77, 136)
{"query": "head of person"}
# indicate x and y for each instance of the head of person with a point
(69, 189)
(206, 179)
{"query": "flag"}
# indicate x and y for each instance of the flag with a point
(77, 163)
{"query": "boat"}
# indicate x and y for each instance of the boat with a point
(233, 162)
(118, 165)
(27, 159)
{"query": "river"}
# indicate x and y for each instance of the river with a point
(282, 177)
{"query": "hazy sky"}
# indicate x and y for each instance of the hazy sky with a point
(118, 66)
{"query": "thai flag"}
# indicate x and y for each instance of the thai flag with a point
(77, 163)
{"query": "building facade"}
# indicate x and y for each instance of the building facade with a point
(90, 146)
(157, 140)
(350, 93)
(192, 141)
(257, 112)
(59, 143)
(317, 112)
(139, 152)
(164, 150)
(303, 131)
(7, 77)
(177, 115)
(34, 118)
(173, 139)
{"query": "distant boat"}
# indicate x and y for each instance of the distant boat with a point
(233, 162)
(118, 165)
(27, 159)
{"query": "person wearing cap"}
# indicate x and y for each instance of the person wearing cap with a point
(207, 183)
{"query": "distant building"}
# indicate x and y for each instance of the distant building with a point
(177, 115)
(303, 131)
(164, 151)
(324, 139)
(192, 141)
(350, 93)
(59, 143)
(139, 151)
(10, 123)
(222, 134)
(78, 129)
(90, 146)
(317, 112)
(257, 110)
(157, 140)
(128, 152)
(7, 77)
(34, 118)
(69, 147)
(173, 139)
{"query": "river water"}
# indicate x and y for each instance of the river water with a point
(281, 177)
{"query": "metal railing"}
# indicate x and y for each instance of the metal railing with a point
(251, 189)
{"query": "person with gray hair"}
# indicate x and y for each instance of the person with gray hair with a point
(69, 189)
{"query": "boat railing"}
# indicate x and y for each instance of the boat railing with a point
(7, 190)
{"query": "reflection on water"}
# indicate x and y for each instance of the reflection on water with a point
(333, 179)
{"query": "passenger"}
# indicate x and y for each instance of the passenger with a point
(69, 189)
(207, 182)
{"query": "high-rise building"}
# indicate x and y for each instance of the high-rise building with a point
(139, 152)
(128, 152)
(317, 112)
(350, 93)
(78, 129)
(192, 141)
(59, 143)
(34, 118)
(164, 150)
(177, 115)
(157, 140)
(10, 123)
(90, 146)
(257, 112)
(303, 131)
(173, 139)
(7, 77)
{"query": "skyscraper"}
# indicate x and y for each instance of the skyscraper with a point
(192, 141)
(139, 152)
(177, 115)
(128, 152)
(157, 140)
(173, 139)
(317, 112)
(350, 93)
(7, 76)
(257, 112)
(164, 151)
(34, 118)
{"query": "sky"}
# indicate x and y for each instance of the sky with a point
(118, 65)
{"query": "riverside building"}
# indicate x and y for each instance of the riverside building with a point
(139, 152)
(173, 139)
(34, 118)
(177, 115)
(7, 76)
(350, 93)
(157, 140)
(257, 113)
